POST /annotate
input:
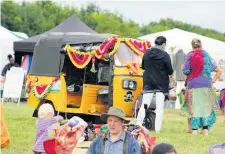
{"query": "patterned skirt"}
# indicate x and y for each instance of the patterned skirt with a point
(200, 105)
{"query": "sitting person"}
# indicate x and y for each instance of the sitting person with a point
(116, 141)
(43, 126)
(164, 148)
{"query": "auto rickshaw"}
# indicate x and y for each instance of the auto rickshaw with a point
(85, 74)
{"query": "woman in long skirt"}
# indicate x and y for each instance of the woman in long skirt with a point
(200, 98)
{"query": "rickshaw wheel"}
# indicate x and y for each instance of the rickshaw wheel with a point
(150, 118)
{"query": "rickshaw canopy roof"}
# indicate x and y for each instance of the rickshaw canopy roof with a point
(48, 59)
(49, 46)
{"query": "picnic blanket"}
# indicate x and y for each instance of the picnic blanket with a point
(66, 137)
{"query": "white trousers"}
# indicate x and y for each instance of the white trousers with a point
(147, 99)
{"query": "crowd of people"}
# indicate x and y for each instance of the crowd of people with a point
(200, 97)
(200, 101)
(115, 140)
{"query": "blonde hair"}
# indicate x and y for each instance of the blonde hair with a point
(45, 111)
(196, 43)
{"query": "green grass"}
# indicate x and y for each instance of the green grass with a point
(21, 127)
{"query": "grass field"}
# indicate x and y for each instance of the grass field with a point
(21, 127)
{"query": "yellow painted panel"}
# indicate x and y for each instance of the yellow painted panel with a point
(119, 93)
(59, 99)
(90, 104)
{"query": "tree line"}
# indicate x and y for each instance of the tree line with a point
(37, 17)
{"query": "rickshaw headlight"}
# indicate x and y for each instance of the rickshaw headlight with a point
(132, 85)
(125, 84)
(129, 84)
(36, 79)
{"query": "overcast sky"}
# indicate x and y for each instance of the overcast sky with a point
(207, 14)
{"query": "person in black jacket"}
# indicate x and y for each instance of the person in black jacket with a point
(9, 65)
(157, 67)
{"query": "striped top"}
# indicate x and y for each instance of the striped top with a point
(43, 126)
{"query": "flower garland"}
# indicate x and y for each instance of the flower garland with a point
(104, 48)
(139, 47)
(133, 68)
(27, 84)
(93, 65)
(79, 59)
(40, 91)
(119, 40)
(82, 59)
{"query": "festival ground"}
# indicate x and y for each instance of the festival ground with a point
(22, 131)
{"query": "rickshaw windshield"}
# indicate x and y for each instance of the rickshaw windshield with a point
(125, 55)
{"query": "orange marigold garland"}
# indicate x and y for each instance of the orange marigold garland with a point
(41, 91)
(116, 46)
(147, 44)
(79, 59)
(104, 48)
(139, 47)
(27, 84)
(133, 68)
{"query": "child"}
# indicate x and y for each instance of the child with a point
(44, 123)
(164, 148)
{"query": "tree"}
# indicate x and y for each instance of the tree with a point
(37, 17)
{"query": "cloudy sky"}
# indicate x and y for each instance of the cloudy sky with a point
(207, 14)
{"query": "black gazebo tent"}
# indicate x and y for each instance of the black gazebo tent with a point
(26, 47)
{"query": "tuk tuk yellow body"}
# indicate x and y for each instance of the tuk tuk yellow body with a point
(87, 101)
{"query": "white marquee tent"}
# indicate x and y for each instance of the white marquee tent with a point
(181, 39)
(7, 38)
